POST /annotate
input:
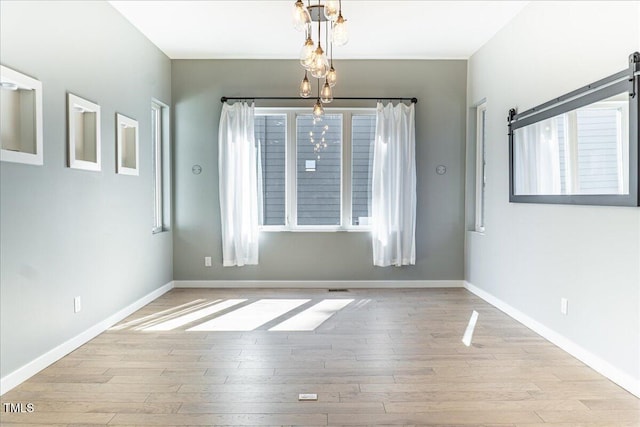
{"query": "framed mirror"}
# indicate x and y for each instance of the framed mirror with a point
(127, 142)
(581, 148)
(84, 133)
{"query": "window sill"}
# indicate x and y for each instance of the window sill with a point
(477, 232)
(273, 229)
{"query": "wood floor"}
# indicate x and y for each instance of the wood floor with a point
(390, 357)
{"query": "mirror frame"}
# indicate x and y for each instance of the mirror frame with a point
(627, 80)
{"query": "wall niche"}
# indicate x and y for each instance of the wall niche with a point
(127, 135)
(20, 118)
(84, 133)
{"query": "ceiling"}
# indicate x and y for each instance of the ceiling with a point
(261, 29)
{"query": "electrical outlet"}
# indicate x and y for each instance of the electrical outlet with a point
(564, 306)
(77, 304)
(207, 261)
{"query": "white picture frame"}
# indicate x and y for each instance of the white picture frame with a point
(83, 128)
(21, 129)
(128, 141)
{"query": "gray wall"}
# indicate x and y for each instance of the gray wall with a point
(197, 86)
(532, 255)
(67, 232)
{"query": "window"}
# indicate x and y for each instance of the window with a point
(161, 166)
(481, 177)
(316, 174)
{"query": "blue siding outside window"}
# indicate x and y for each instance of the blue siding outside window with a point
(319, 188)
(363, 129)
(271, 132)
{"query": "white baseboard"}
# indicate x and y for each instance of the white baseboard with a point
(318, 284)
(623, 379)
(30, 369)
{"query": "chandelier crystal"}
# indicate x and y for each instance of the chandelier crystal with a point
(332, 29)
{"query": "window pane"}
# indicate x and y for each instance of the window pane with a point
(319, 148)
(363, 129)
(156, 137)
(483, 171)
(270, 133)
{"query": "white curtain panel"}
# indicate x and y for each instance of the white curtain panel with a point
(393, 201)
(238, 158)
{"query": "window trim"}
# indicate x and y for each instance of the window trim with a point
(481, 161)
(160, 156)
(291, 225)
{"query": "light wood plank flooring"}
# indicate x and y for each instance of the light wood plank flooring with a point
(391, 357)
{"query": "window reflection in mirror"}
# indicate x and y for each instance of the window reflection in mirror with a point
(581, 152)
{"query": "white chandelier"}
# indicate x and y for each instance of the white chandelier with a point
(313, 58)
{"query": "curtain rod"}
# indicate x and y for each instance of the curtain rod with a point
(226, 98)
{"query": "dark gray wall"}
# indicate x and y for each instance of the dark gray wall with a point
(67, 232)
(197, 86)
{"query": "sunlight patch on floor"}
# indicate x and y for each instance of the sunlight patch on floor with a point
(250, 317)
(313, 317)
(193, 316)
(155, 316)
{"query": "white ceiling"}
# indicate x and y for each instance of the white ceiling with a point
(262, 28)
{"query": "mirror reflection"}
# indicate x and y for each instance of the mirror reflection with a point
(583, 151)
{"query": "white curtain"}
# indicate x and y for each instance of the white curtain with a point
(537, 159)
(393, 199)
(240, 192)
